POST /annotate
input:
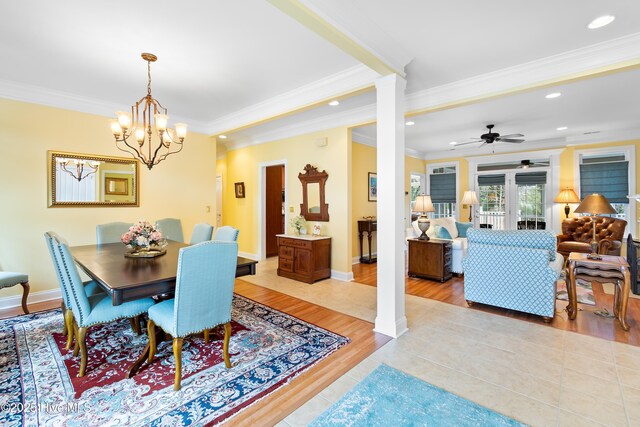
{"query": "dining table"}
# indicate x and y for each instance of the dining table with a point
(127, 279)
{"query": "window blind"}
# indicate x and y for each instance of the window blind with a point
(443, 188)
(491, 180)
(609, 179)
(531, 178)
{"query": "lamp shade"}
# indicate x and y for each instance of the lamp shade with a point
(567, 196)
(469, 198)
(595, 204)
(423, 204)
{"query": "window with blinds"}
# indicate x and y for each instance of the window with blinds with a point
(606, 174)
(442, 188)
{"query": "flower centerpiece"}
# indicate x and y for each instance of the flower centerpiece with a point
(298, 223)
(144, 239)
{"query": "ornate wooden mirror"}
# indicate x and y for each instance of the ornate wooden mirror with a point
(91, 180)
(313, 207)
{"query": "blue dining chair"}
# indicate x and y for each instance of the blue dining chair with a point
(9, 278)
(111, 232)
(90, 288)
(94, 310)
(201, 233)
(226, 234)
(203, 295)
(171, 229)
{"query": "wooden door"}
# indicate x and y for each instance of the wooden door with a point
(273, 207)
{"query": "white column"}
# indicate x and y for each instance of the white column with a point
(390, 319)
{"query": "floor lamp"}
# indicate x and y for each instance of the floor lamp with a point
(470, 198)
(567, 196)
(595, 204)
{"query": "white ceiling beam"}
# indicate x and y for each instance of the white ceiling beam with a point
(382, 56)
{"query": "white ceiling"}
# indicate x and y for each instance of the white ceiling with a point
(220, 59)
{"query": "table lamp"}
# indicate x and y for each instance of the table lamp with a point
(470, 198)
(595, 204)
(423, 205)
(567, 196)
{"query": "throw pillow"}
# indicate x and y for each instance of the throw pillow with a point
(442, 233)
(447, 222)
(463, 227)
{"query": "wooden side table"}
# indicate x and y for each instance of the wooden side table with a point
(367, 226)
(430, 259)
(608, 268)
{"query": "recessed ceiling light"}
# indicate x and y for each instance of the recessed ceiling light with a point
(562, 128)
(334, 103)
(601, 21)
(222, 136)
(453, 143)
(553, 95)
(410, 123)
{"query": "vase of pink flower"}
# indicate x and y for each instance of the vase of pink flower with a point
(144, 239)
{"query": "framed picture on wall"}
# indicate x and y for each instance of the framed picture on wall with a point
(239, 190)
(116, 186)
(373, 187)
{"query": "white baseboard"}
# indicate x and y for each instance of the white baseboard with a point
(342, 275)
(249, 255)
(16, 301)
(356, 259)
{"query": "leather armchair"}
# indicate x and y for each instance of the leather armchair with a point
(577, 234)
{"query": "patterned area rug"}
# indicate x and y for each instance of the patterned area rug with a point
(584, 291)
(388, 397)
(38, 383)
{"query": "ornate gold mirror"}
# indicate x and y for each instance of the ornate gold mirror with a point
(90, 180)
(313, 207)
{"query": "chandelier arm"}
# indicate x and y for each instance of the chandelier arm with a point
(137, 154)
(165, 155)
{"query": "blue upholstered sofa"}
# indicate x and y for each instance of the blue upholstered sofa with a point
(513, 269)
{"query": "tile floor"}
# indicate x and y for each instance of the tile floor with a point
(538, 375)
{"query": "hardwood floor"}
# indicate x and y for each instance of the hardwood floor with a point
(586, 322)
(285, 400)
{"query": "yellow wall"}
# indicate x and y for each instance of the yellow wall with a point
(363, 162)
(242, 165)
(180, 187)
(221, 170)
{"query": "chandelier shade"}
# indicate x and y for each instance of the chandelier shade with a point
(134, 132)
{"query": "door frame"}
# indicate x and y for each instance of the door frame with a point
(262, 204)
(553, 179)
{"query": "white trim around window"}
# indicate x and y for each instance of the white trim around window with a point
(432, 166)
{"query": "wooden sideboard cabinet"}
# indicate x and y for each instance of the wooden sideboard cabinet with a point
(304, 258)
(430, 259)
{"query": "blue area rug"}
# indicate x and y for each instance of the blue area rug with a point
(388, 397)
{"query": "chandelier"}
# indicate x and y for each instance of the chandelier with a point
(77, 166)
(137, 124)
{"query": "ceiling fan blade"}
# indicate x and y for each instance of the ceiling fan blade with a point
(516, 141)
(466, 143)
(513, 135)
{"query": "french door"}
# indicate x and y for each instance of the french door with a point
(512, 200)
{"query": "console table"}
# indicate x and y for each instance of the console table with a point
(367, 226)
(609, 268)
(305, 258)
(430, 259)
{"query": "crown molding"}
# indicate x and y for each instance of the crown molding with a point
(69, 101)
(601, 58)
(363, 139)
(345, 82)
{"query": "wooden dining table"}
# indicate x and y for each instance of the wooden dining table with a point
(128, 279)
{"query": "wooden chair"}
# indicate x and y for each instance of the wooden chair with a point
(111, 232)
(9, 279)
(201, 233)
(171, 229)
(90, 311)
(203, 296)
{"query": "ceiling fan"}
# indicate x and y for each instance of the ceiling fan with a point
(491, 137)
(525, 164)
